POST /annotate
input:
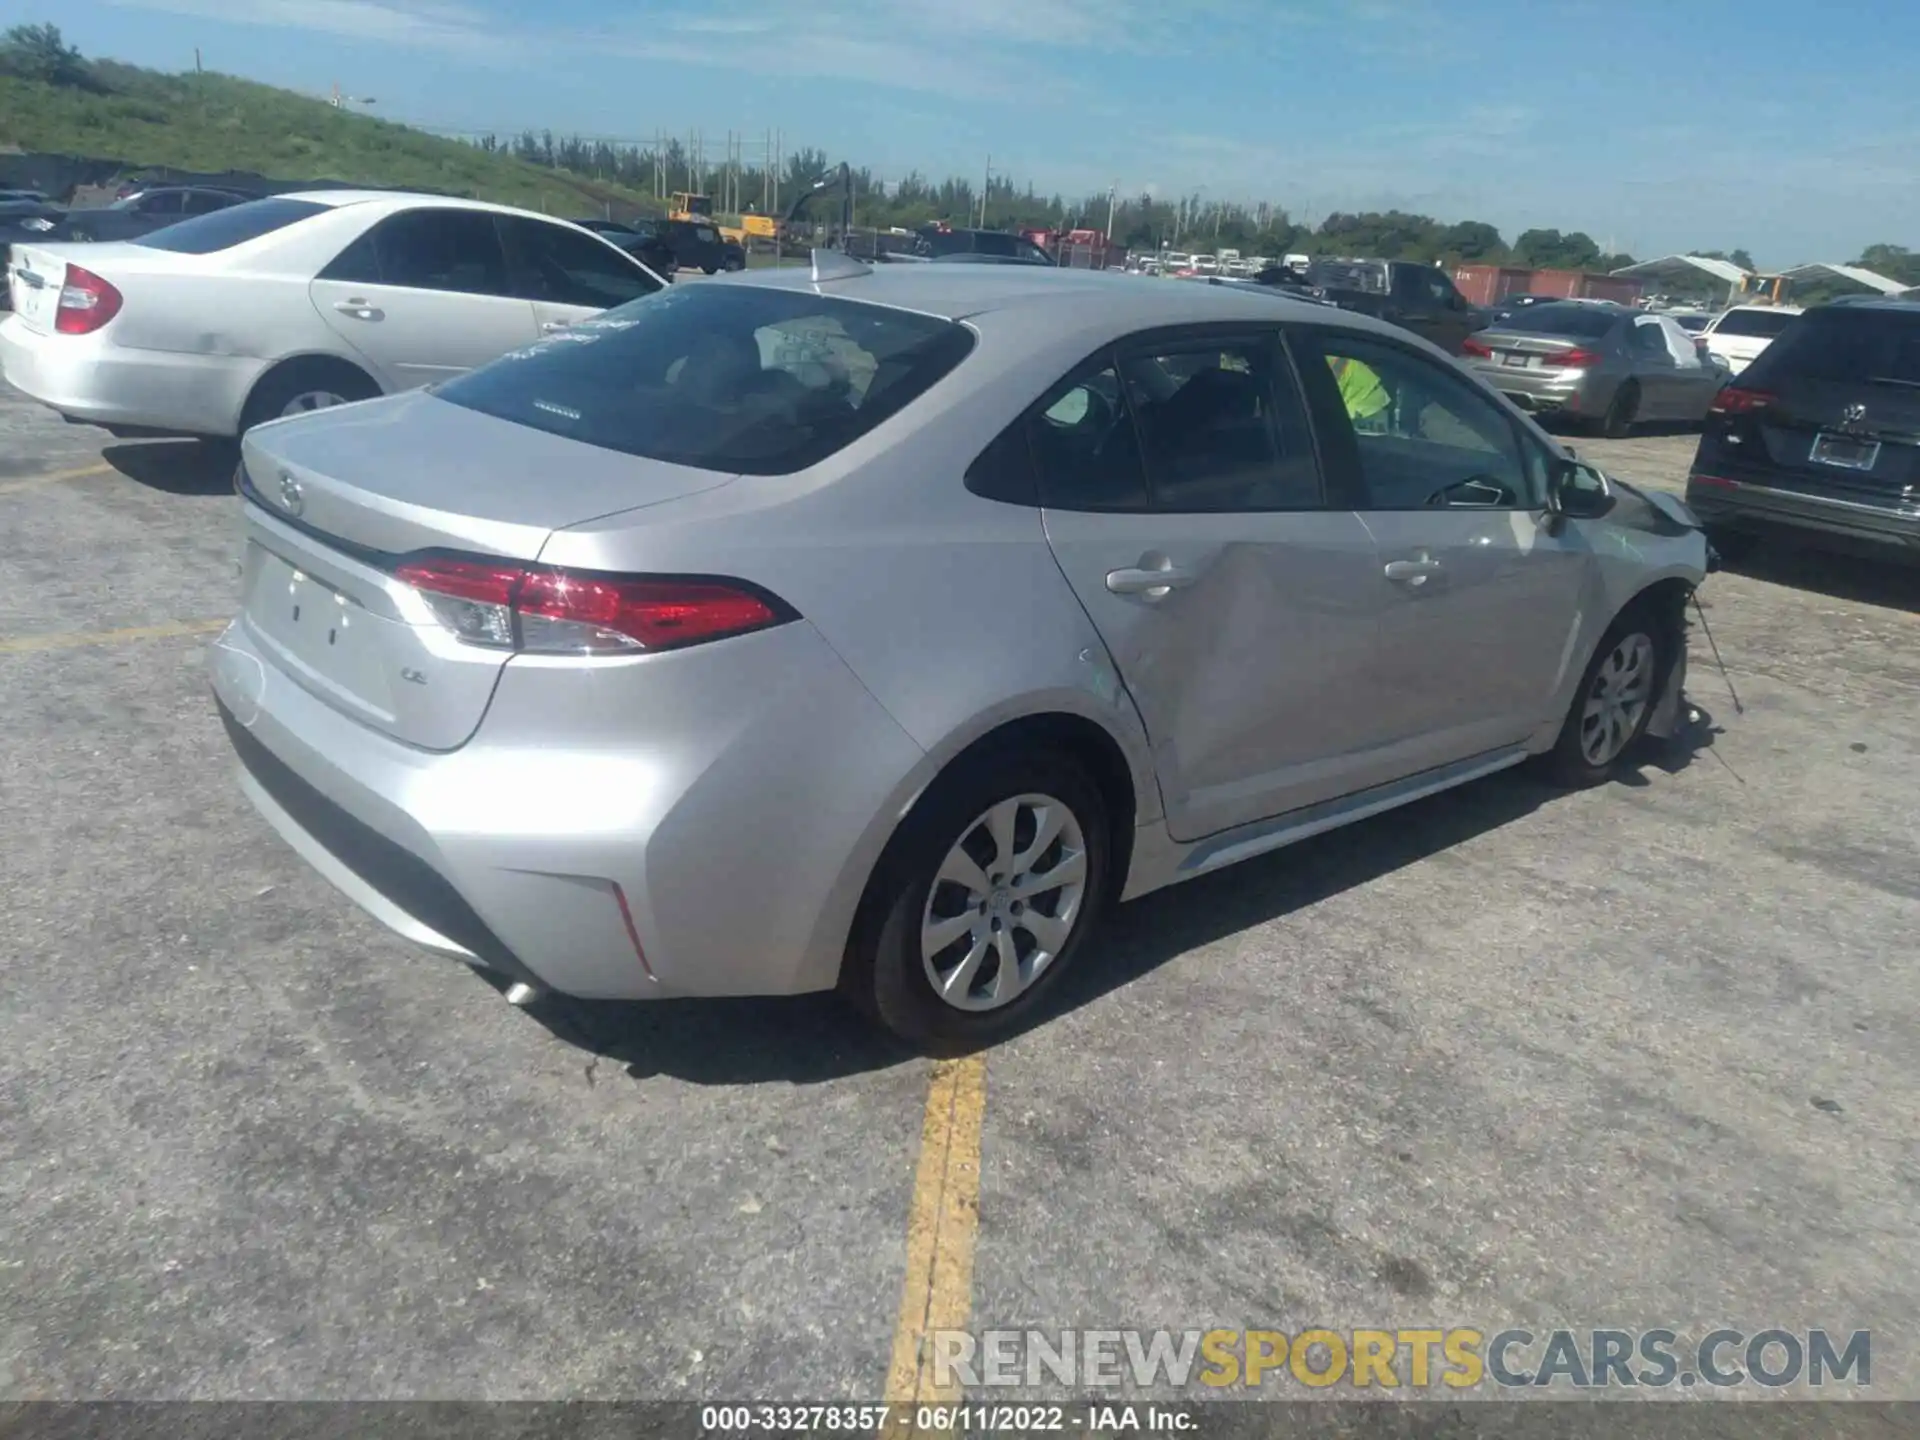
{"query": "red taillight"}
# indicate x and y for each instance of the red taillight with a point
(1474, 348)
(1735, 401)
(1575, 359)
(86, 303)
(549, 611)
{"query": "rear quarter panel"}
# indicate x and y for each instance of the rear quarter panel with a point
(949, 607)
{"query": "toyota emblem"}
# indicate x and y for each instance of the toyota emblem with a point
(292, 499)
(1854, 412)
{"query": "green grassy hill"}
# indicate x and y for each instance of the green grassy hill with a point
(216, 122)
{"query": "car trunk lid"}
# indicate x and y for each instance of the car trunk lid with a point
(1516, 349)
(337, 499)
(1856, 438)
(34, 286)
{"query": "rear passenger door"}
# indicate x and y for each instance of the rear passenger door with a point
(568, 274)
(1662, 391)
(1483, 593)
(423, 295)
(1239, 599)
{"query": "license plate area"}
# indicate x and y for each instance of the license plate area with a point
(328, 639)
(1515, 360)
(1844, 451)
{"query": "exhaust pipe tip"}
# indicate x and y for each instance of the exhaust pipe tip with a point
(521, 993)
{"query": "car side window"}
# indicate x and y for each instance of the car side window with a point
(1425, 436)
(994, 243)
(168, 203)
(1648, 343)
(205, 202)
(427, 249)
(1222, 426)
(1082, 446)
(564, 267)
(1027, 250)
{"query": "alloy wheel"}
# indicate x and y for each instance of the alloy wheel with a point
(1617, 699)
(310, 400)
(1004, 902)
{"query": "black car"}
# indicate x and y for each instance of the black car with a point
(1508, 306)
(1416, 297)
(144, 211)
(935, 242)
(1820, 434)
(696, 244)
(638, 240)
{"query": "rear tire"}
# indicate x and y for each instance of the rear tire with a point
(1613, 704)
(983, 899)
(305, 385)
(1617, 423)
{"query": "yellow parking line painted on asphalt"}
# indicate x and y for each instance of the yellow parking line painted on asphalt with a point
(26, 644)
(34, 482)
(942, 1222)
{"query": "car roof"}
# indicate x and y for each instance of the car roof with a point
(1768, 309)
(1066, 297)
(406, 199)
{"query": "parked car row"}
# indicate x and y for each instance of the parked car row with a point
(316, 299)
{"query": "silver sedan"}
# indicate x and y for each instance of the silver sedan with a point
(877, 628)
(1600, 364)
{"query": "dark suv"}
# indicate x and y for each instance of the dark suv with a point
(990, 247)
(1820, 434)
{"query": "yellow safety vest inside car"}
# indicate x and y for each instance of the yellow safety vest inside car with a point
(1360, 388)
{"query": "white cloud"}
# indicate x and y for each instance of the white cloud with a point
(425, 23)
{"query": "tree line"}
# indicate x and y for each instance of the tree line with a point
(1141, 222)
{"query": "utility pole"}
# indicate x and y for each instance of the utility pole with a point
(1112, 192)
(196, 60)
(986, 183)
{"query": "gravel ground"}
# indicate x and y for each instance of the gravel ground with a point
(1646, 1055)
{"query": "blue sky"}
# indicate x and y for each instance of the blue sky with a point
(1791, 130)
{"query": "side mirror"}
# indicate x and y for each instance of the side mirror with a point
(1579, 492)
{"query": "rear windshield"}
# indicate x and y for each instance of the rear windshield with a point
(1574, 322)
(1762, 324)
(740, 378)
(237, 224)
(1844, 343)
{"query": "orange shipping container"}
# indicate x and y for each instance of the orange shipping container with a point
(1484, 284)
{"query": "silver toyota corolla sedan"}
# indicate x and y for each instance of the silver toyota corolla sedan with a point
(1604, 364)
(877, 628)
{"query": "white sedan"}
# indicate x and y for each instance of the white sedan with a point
(295, 303)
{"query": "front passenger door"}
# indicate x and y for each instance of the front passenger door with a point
(1483, 592)
(423, 296)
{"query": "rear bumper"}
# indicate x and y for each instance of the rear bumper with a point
(735, 805)
(1738, 502)
(1542, 392)
(86, 377)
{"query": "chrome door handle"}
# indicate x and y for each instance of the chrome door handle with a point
(358, 309)
(549, 326)
(1412, 572)
(1153, 584)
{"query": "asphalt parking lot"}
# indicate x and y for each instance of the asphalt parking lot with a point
(1646, 1055)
